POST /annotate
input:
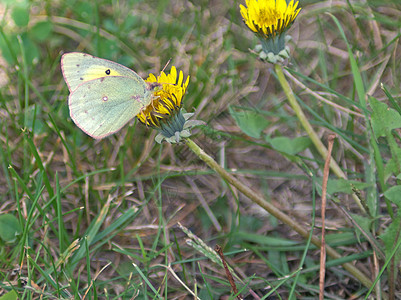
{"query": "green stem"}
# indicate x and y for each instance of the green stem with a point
(304, 121)
(308, 128)
(274, 211)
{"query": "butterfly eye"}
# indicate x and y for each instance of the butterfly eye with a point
(108, 72)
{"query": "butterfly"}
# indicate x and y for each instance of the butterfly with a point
(104, 95)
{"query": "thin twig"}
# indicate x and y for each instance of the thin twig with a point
(219, 251)
(326, 172)
(321, 98)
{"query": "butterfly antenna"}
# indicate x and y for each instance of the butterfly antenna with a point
(166, 65)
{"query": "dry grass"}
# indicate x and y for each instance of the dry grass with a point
(122, 197)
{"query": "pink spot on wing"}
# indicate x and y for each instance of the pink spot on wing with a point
(137, 98)
(105, 98)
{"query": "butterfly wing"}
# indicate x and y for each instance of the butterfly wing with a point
(102, 106)
(79, 67)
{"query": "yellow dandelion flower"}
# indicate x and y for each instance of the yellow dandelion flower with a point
(167, 97)
(164, 112)
(270, 19)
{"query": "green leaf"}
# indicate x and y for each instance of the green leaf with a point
(383, 118)
(392, 167)
(84, 9)
(33, 118)
(394, 194)
(11, 295)
(32, 51)
(341, 186)
(11, 50)
(109, 48)
(8, 46)
(250, 122)
(9, 228)
(389, 238)
(41, 31)
(20, 15)
(288, 145)
(364, 222)
(391, 98)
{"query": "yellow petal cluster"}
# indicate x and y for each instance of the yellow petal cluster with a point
(167, 98)
(269, 17)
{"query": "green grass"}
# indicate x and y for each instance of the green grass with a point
(81, 218)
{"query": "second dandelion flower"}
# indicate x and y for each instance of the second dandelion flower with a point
(270, 20)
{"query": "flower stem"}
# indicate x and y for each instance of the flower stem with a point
(274, 211)
(304, 121)
(308, 128)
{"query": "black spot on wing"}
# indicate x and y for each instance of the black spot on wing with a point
(108, 72)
